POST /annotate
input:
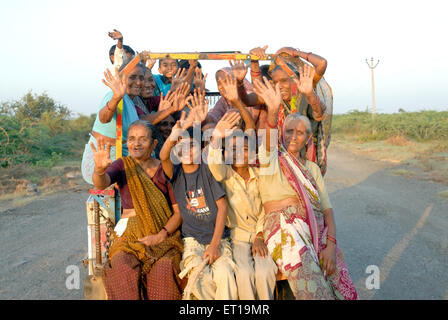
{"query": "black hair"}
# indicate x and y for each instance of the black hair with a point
(186, 65)
(167, 57)
(126, 49)
(265, 72)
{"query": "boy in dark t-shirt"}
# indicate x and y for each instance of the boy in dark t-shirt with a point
(204, 212)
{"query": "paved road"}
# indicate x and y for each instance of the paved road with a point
(389, 221)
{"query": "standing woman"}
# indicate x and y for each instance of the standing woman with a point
(123, 88)
(299, 228)
(147, 248)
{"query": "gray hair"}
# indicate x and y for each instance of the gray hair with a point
(300, 118)
(152, 131)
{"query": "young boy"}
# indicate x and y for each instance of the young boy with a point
(201, 201)
(169, 71)
(256, 271)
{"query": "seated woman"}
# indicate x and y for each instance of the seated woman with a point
(147, 244)
(123, 88)
(299, 228)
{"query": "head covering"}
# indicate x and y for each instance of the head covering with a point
(302, 183)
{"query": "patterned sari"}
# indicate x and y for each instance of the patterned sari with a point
(297, 233)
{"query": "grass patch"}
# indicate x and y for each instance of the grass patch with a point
(443, 194)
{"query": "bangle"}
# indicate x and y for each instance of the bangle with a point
(166, 231)
(269, 125)
(308, 56)
(100, 174)
(332, 239)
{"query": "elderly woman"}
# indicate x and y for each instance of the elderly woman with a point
(299, 228)
(297, 96)
(123, 89)
(147, 245)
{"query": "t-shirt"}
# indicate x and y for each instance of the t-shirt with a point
(196, 194)
(117, 175)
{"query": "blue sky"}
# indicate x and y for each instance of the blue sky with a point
(61, 46)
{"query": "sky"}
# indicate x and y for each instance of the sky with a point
(61, 47)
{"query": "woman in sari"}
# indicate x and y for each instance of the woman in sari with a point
(123, 89)
(286, 70)
(299, 228)
(146, 250)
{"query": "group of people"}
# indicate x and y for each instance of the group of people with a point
(239, 186)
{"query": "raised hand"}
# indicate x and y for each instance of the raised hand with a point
(259, 52)
(227, 125)
(166, 101)
(180, 96)
(272, 97)
(116, 35)
(198, 106)
(101, 156)
(239, 69)
(229, 88)
(147, 59)
(117, 84)
(178, 78)
(305, 83)
(199, 80)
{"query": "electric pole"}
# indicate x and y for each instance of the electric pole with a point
(372, 66)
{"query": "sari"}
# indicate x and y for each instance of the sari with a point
(152, 213)
(296, 234)
(316, 148)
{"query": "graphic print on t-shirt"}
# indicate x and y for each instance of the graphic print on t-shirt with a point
(196, 203)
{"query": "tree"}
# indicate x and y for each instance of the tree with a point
(33, 107)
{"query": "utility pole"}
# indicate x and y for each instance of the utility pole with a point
(372, 66)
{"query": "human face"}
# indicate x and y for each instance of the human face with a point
(135, 82)
(237, 161)
(295, 136)
(168, 67)
(281, 77)
(139, 143)
(220, 75)
(190, 151)
(148, 84)
(165, 126)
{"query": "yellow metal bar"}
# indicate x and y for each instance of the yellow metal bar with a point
(204, 56)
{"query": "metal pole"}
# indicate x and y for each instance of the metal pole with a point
(372, 66)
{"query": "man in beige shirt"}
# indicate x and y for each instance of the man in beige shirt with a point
(256, 271)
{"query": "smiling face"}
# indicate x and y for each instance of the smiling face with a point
(295, 135)
(189, 151)
(240, 152)
(281, 77)
(149, 84)
(168, 67)
(140, 143)
(135, 82)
